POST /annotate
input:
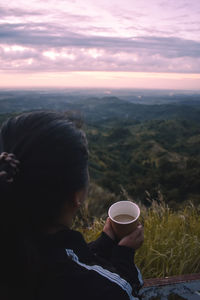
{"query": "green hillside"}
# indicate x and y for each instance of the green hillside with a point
(149, 156)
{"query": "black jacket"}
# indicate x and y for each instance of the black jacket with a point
(75, 270)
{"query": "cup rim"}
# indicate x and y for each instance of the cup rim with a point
(128, 222)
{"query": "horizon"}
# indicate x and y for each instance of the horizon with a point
(126, 44)
(104, 91)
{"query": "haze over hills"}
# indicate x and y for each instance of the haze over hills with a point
(135, 94)
(96, 105)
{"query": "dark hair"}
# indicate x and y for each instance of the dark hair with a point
(53, 158)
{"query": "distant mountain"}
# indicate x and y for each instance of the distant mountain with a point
(95, 109)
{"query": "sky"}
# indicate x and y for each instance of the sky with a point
(100, 43)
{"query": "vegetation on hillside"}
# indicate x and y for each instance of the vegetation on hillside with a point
(143, 156)
(149, 156)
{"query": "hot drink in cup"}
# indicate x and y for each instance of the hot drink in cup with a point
(124, 217)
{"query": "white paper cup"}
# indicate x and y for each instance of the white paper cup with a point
(125, 226)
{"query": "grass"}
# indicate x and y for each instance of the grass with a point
(172, 240)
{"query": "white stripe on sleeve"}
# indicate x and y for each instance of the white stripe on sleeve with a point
(103, 272)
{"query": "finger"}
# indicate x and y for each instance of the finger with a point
(107, 221)
(16, 161)
(139, 226)
(141, 229)
(3, 173)
(139, 239)
(137, 232)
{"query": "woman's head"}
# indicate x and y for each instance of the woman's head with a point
(53, 156)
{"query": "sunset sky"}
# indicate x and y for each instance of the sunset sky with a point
(100, 43)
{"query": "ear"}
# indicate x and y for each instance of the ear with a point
(77, 199)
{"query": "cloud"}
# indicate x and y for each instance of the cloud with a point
(17, 12)
(175, 4)
(71, 40)
(87, 56)
(50, 35)
(69, 51)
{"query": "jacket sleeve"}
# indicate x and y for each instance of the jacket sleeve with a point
(80, 281)
(103, 246)
(121, 258)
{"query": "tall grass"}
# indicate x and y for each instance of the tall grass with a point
(172, 240)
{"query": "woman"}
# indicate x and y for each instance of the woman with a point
(43, 182)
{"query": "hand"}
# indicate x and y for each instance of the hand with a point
(135, 239)
(108, 229)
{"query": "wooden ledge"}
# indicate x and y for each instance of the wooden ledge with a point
(171, 280)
